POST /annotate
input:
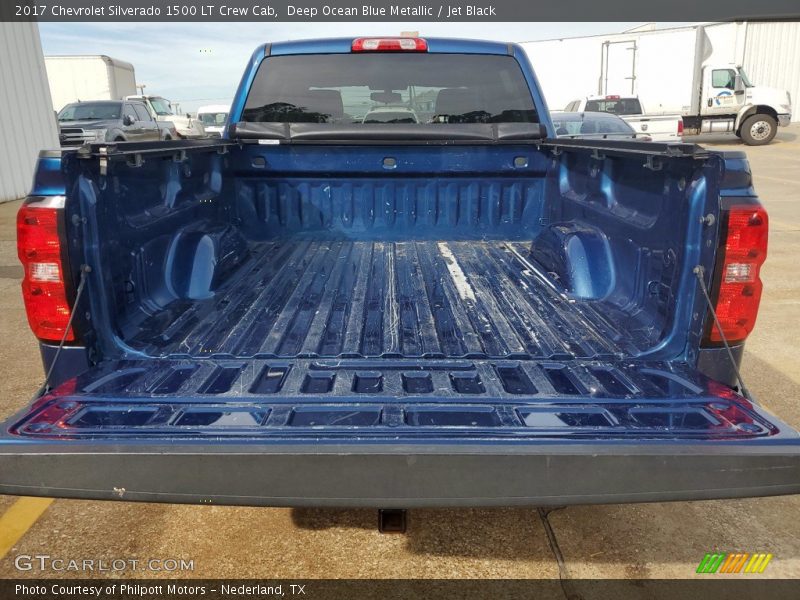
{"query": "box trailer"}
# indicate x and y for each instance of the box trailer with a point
(692, 71)
(98, 77)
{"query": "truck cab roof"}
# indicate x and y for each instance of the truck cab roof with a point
(611, 96)
(344, 45)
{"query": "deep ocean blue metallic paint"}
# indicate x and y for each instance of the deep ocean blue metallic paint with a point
(48, 180)
(484, 323)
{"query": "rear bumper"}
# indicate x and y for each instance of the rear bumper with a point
(402, 476)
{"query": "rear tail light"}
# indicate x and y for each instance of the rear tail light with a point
(680, 126)
(739, 284)
(401, 44)
(43, 287)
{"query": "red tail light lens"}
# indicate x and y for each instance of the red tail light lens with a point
(389, 45)
(740, 286)
(680, 126)
(43, 288)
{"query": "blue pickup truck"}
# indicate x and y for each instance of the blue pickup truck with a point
(445, 307)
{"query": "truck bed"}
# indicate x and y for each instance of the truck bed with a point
(333, 314)
(297, 298)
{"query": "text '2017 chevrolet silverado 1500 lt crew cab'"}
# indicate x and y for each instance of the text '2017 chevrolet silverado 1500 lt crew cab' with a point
(463, 310)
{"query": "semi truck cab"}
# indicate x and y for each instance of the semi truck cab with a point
(753, 112)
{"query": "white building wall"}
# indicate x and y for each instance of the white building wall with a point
(772, 58)
(27, 123)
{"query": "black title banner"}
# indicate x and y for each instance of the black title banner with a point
(383, 10)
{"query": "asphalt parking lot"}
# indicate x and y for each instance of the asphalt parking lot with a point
(645, 540)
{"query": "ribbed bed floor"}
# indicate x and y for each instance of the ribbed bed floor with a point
(367, 299)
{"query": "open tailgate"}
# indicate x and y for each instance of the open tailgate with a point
(396, 433)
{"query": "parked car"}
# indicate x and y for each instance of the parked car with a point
(161, 109)
(213, 118)
(110, 121)
(460, 313)
(661, 128)
(593, 125)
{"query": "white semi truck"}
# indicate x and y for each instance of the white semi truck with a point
(91, 77)
(692, 71)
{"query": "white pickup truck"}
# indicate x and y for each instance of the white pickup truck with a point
(161, 109)
(660, 128)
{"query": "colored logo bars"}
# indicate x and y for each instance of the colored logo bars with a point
(741, 562)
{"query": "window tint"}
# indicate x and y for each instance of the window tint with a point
(92, 111)
(141, 112)
(613, 126)
(566, 127)
(213, 119)
(618, 106)
(723, 78)
(590, 124)
(390, 88)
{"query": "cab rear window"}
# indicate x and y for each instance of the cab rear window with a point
(90, 111)
(390, 88)
(617, 106)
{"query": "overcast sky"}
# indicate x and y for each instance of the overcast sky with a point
(201, 63)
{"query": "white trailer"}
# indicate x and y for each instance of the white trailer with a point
(77, 78)
(692, 71)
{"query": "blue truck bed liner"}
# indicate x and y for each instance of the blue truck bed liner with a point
(392, 299)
